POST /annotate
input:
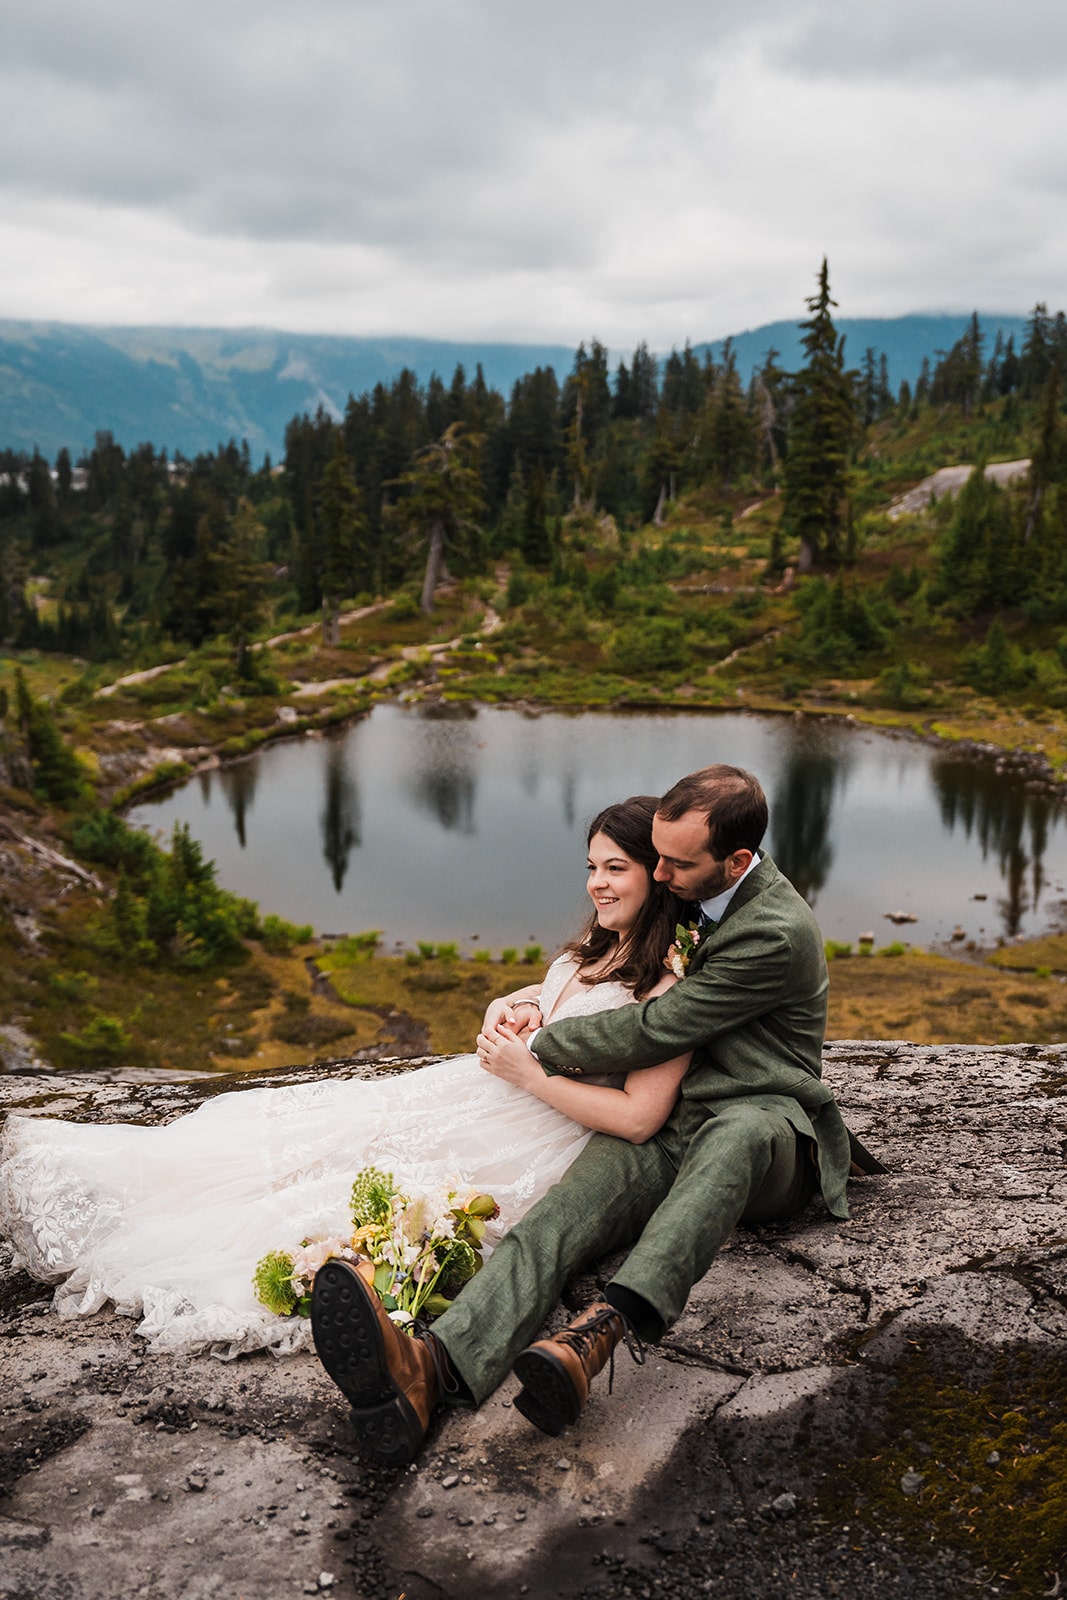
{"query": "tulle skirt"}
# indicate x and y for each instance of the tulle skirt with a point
(168, 1223)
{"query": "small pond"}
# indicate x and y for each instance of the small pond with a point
(470, 825)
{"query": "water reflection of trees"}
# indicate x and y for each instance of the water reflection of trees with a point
(341, 815)
(443, 783)
(239, 788)
(801, 809)
(1008, 822)
(569, 796)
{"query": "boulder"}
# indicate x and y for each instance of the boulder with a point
(842, 1408)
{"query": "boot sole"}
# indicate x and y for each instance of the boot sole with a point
(344, 1324)
(527, 1407)
(550, 1388)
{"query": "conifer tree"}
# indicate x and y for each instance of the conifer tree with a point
(731, 436)
(1048, 464)
(820, 438)
(57, 773)
(240, 584)
(342, 529)
(443, 500)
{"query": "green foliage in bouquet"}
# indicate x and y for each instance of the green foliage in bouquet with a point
(273, 1283)
(372, 1196)
(423, 1249)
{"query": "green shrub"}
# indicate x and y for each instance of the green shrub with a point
(482, 957)
(903, 686)
(73, 985)
(894, 949)
(103, 836)
(836, 951)
(103, 1039)
(167, 905)
(57, 772)
(279, 936)
(353, 947)
(533, 955)
(653, 644)
(426, 948)
(448, 952)
(509, 957)
(518, 590)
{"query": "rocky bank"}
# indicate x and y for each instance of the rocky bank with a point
(843, 1409)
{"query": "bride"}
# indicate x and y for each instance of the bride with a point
(168, 1222)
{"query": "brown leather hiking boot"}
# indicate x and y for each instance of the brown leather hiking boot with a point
(556, 1373)
(391, 1380)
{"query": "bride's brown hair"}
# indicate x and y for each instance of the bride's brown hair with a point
(639, 962)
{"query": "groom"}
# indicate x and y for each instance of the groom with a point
(754, 1134)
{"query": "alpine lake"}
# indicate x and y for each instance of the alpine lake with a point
(466, 823)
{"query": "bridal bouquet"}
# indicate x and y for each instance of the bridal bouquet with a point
(423, 1250)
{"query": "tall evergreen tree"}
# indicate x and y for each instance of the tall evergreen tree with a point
(821, 434)
(442, 501)
(1048, 464)
(240, 584)
(731, 433)
(342, 528)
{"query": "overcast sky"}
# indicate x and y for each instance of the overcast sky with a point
(482, 169)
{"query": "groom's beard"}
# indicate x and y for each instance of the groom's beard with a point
(718, 879)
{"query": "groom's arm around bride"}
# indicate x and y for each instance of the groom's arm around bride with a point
(754, 1134)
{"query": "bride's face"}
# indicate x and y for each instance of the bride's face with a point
(617, 885)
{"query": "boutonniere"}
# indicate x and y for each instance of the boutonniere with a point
(681, 951)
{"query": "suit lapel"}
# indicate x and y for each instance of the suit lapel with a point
(754, 884)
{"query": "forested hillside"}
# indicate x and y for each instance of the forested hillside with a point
(190, 389)
(644, 523)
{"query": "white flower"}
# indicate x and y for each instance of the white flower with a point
(401, 1316)
(676, 962)
(310, 1257)
(444, 1226)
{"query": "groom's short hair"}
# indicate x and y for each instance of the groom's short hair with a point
(732, 801)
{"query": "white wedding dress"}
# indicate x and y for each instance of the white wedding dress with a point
(168, 1222)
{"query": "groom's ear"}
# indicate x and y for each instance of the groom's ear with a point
(740, 861)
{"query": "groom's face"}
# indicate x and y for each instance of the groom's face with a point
(686, 864)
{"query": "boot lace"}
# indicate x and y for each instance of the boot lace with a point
(582, 1340)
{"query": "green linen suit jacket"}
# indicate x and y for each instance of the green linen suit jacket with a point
(751, 1008)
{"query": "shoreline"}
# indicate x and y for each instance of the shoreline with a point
(1033, 765)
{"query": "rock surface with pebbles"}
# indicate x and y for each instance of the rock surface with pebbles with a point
(764, 1447)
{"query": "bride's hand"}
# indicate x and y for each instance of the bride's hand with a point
(502, 1052)
(518, 1014)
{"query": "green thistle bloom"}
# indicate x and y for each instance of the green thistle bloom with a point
(272, 1282)
(460, 1263)
(372, 1194)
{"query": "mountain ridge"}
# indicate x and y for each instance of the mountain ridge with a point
(191, 389)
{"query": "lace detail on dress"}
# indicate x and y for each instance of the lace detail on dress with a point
(168, 1222)
(584, 1001)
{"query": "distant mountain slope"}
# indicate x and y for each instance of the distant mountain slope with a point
(192, 389)
(905, 341)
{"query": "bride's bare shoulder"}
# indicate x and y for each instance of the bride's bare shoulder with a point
(667, 981)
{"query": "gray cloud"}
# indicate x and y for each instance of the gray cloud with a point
(932, 39)
(558, 169)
